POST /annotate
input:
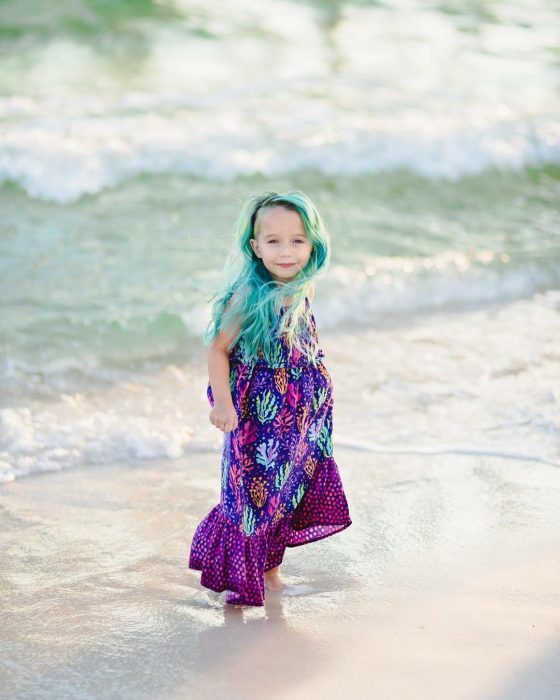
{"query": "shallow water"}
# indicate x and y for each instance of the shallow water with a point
(481, 381)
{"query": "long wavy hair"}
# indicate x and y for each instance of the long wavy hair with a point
(256, 298)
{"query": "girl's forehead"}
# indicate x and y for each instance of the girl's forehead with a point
(279, 220)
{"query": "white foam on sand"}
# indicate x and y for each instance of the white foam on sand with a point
(481, 382)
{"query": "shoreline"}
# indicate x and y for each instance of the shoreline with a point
(465, 384)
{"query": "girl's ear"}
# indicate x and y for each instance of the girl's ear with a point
(254, 246)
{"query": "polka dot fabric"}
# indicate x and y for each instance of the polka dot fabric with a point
(280, 485)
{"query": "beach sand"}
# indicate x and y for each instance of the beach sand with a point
(446, 585)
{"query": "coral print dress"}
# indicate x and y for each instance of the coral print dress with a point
(280, 484)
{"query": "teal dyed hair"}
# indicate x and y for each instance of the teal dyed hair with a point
(250, 300)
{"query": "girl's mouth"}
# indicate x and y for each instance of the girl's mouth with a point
(286, 265)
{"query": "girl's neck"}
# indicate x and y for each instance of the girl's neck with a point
(289, 301)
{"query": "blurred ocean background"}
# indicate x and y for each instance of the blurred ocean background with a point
(428, 134)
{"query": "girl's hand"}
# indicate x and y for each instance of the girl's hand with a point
(224, 416)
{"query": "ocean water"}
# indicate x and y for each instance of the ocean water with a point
(428, 134)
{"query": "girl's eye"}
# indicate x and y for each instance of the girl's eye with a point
(273, 240)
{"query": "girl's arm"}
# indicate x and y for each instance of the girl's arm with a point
(223, 414)
(219, 365)
(218, 374)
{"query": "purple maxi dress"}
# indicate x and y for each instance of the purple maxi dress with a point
(280, 484)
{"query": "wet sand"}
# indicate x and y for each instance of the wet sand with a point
(446, 585)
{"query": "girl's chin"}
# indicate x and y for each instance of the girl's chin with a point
(287, 278)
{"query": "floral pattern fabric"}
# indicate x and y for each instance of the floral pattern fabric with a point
(280, 484)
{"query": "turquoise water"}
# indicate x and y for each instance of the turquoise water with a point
(119, 280)
(427, 134)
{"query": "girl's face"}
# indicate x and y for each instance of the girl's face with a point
(281, 242)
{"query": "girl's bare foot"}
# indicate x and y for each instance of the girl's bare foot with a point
(273, 580)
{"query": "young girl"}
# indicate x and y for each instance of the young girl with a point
(272, 397)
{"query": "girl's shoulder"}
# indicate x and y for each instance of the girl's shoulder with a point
(311, 292)
(226, 335)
